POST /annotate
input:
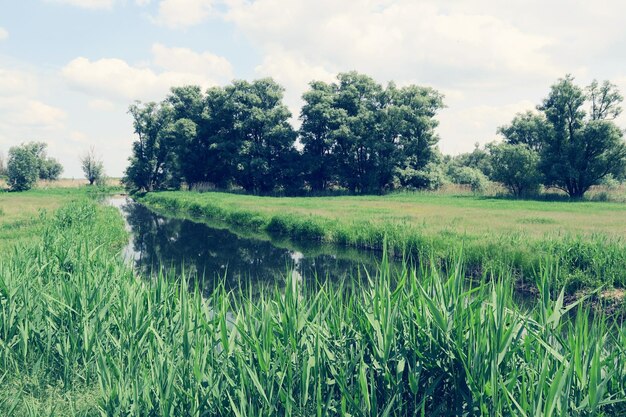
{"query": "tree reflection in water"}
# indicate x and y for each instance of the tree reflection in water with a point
(214, 255)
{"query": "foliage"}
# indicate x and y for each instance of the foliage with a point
(262, 131)
(516, 166)
(529, 128)
(581, 150)
(29, 162)
(355, 135)
(3, 168)
(22, 168)
(50, 169)
(471, 177)
(358, 134)
(413, 342)
(431, 177)
(152, 160)
(577, 149)
(92, 166)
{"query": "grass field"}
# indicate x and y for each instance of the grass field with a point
(586, 239)
(20, 213)
(81, 335)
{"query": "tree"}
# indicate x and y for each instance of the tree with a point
(478, 159)
(529, 128)
(2, 166)
(321, 126)
(28, 160)
(605, 100)
(92, 166)
(22, 168)
(362, 135)
(152, 161)
(49, 169)
(516, 166)
(581, 150)
(262, 134)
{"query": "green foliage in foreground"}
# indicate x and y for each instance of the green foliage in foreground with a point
(585, 261)
(81, 335)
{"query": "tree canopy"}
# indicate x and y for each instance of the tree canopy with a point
(29, 162)
(576, 142)
(354, 134)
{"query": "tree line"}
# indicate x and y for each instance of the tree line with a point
(355, 135)
(570, 143)
(359, 136)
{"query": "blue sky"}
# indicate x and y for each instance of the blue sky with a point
(70, 68)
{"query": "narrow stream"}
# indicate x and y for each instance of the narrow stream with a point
(215, 255)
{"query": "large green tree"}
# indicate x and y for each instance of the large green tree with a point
(582, 148)
(322, 123)
(262, 133)
(362, 135)
(152, 162)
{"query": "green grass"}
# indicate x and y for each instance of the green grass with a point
(21, 213)
(586, 239)
(80, 335)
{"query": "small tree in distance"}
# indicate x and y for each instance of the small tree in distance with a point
(516, 166)
(2, 167)
(22, 168)
(92, 166)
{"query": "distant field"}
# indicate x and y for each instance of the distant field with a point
(435, 213)
(585, 240)
(19, 212)
(66, 183)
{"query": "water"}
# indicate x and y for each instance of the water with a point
(216, 255)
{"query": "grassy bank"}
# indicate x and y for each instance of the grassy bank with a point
(586, 239)
(80, 335)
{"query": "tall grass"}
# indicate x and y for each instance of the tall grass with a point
(81, 335)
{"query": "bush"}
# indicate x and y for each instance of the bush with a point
(516, 167)
(471, 177)
(22, 169)
(431, 177)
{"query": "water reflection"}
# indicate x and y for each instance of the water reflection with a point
(218, 255)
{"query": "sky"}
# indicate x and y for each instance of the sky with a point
(69, 69)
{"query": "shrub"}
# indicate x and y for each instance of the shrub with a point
(22, 169)
(471, 177)
(516, 167)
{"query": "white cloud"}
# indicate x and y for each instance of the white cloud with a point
(477, 123)
(115, 79)
(101, 105)
(3, 33)
(23, 112)
(183, 60)
(294, 74)
(397, 39)
(87, 4)
(14, 82)
(473, 53)
(183, 13)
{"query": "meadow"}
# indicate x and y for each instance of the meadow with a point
(82, 335)
(585, 239)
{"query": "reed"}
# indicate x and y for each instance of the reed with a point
(81, 335)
